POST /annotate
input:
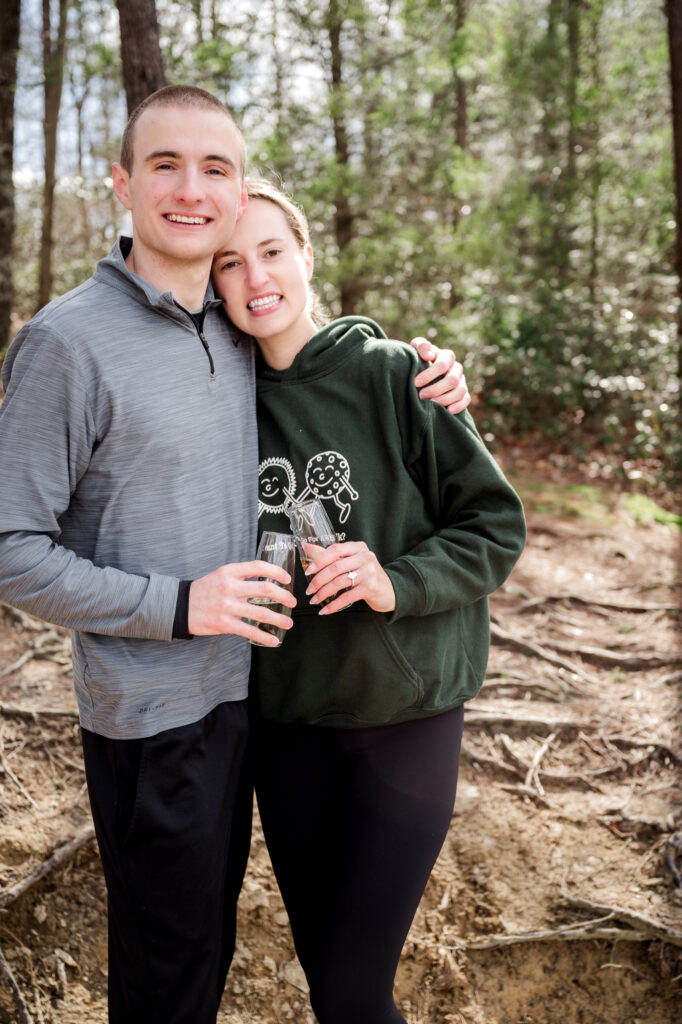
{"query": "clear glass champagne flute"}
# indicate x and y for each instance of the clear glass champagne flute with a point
(277, 549)
(310, 524)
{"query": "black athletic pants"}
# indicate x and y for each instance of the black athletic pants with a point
(354, 820)
(172, 815)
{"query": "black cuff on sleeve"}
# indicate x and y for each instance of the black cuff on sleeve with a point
(181, 618)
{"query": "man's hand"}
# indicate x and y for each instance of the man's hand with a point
(451, 389)
(220, 602)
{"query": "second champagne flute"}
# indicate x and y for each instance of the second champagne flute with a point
(310, 524)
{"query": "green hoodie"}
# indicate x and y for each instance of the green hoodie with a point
(345, 423)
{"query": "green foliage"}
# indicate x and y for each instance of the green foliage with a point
(644, 510)
(509, 185)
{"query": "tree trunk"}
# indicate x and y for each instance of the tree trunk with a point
(79, 92)
(461, 113)
(550, 100)
(54, 46)
(141, 58)
(673, 10)
(573, 27)
(83, 201)
(278, 62)
(594, 51)
(196, 7)
(461, 126)
(9, 44)
(343, 214)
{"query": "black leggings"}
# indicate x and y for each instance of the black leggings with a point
(354, 820)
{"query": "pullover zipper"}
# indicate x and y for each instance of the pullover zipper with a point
(198, 321)
(202, 336)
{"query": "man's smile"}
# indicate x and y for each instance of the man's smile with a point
(182, 218)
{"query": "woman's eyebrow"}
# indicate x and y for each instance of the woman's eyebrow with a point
(234, 252)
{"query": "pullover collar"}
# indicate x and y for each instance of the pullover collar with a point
(112, 270)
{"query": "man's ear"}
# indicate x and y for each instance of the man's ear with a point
(243, 200)
(121, 185)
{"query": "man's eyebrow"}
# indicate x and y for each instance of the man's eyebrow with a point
(159, 154)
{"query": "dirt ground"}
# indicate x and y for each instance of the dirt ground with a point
(557, 898)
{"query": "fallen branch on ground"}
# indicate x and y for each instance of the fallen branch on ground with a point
(478, 714)
(585, 776)
(16, 711)
(48, 645)
(653, 929)
(494, 762)
(6, 972)
(640, 929)
(672, 848)
(16, 665)
(602, 656)
(16, 780)
(25, 620)
(565, 777)
(543, 687)
(521, 789)
(532, 775)
(656, 745)
(536, 651)
(559, 934)
(626, 825)
(59, 857)
(537, 602)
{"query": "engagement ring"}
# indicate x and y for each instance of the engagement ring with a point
(352, 576)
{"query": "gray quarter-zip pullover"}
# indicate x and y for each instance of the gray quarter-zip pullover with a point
(128, 462)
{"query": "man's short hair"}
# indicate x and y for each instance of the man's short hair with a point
(174, 96)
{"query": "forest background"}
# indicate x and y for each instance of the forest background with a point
(504, 176)
(494, 174)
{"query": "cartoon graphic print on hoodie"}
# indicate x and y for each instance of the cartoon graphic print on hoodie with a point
(327, 475)
(345, 422)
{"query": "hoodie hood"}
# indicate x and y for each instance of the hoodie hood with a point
(325, 351)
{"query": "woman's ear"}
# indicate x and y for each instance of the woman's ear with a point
(309, 257)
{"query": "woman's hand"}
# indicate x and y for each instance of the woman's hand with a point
(353, 573)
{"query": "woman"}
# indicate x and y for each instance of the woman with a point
(359, 713)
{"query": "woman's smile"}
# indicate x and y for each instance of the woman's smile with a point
(263, 304)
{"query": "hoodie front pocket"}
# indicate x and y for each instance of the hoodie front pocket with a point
(341, 668)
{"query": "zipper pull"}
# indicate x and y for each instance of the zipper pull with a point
(202, 336)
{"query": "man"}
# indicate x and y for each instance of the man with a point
(128, 455)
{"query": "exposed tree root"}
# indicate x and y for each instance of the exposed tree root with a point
(24, 1017)
(15, 711)
(59, 857)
